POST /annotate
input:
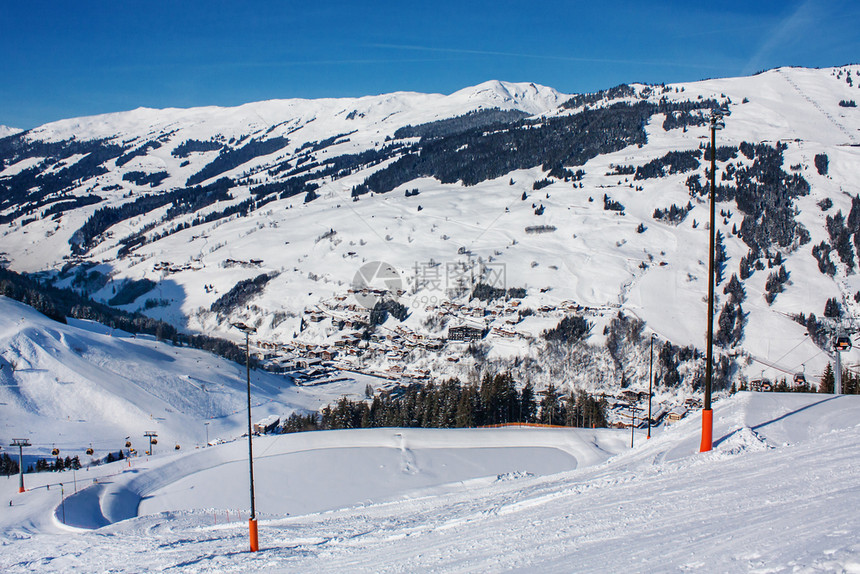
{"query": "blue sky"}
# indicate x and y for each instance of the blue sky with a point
(67, 59)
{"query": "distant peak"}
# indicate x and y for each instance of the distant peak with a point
(526, 96)
(8, 131)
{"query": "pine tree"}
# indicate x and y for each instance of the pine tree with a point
(549, 406)
(740, 322)
(725, 324)
(527, 403)
(832, 308)
(466, 408)
(570, 411)
(827, 381)
(735, 289)
(720, 258)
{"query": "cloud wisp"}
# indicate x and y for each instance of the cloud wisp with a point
(558, 58)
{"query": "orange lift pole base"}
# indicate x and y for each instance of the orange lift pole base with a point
(707, 430)
(252, 531)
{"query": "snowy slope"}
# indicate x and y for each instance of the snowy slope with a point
(778, 493)
(633, 264)
(82, 384)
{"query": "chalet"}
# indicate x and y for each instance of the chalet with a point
(676, 414)
(465, 333)
(504, 332)
(308, 362)
(327, 355)
(267, 424)
(632, 395)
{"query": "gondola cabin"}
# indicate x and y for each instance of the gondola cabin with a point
(843, 343)
(176, 447)
(799, 379)
(55, 451)
(90, 451)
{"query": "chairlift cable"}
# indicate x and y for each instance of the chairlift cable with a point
(792, 349)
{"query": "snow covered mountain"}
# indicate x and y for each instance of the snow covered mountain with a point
(273, 213)
(8, 131)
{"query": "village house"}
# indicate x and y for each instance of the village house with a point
(465, 333)
(675, 414)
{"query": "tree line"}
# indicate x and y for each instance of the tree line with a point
(450, 404)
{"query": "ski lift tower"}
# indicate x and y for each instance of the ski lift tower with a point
(842, 342)
(151, 435)
(20, 443)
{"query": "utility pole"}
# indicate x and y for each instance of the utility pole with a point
(650, 383)
(20, 443)
(707, 413)
(633, 409)
(252, 522)
(152, 439)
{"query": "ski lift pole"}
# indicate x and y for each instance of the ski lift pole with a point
(707, 413)
(841, 343)
(20, 443)
(63, 502)
(152, 435)
(837, 382)
(650, 383)
(252, 521)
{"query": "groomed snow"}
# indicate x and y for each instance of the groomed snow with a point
(778, 494)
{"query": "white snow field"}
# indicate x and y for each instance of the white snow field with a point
(83, 384)
(778, 494)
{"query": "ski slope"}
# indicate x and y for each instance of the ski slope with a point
(777, 494)
(83, 384)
